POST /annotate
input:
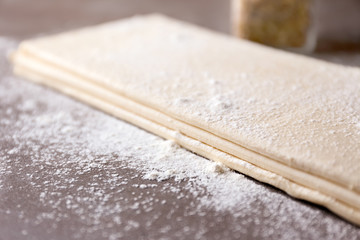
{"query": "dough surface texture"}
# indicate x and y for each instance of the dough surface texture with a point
(284, 119)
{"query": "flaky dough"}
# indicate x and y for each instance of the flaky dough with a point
(287, 120)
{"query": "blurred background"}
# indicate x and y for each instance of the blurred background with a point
(337, 21)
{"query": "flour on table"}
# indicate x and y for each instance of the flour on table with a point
(74, 163)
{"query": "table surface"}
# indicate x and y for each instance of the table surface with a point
(34, 161)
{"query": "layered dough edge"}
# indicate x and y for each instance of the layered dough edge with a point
(296, 183)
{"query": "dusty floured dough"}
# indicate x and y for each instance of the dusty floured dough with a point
(283, 119)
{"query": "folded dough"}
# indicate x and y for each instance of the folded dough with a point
(284, 119)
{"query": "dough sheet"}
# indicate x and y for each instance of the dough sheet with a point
(284, 119)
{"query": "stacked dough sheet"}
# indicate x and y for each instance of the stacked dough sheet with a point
(283, 119)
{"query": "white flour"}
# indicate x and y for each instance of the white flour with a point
(113, 180)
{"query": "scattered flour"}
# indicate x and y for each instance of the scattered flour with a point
(71, 171)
